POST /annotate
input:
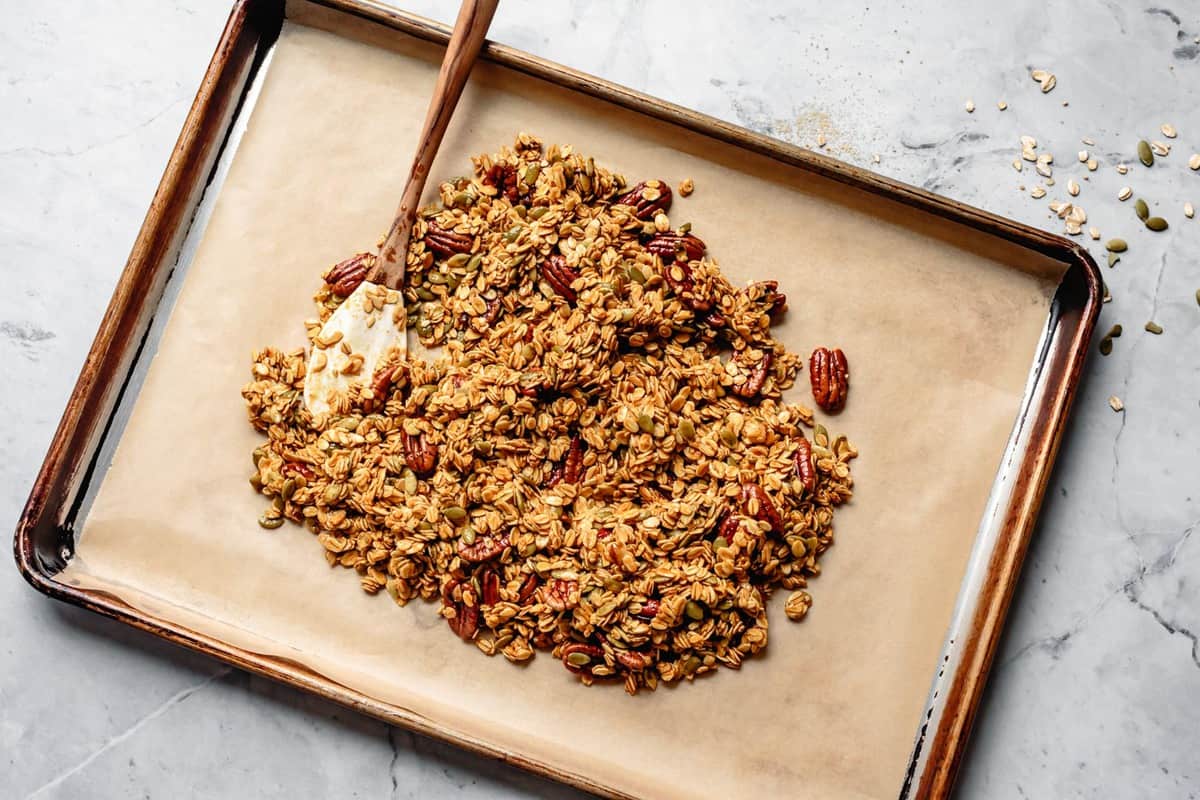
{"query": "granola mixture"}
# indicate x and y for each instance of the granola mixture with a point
(597, 462)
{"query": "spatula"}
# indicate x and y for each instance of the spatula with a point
(370, 323)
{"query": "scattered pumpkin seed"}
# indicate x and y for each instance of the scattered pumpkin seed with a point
(1154, 327)
(410, 481)
(1116, 245)
(532, 172)
(636, 275)
(646, 423)
(256, 482)
(687, 430)
(1156, 224)
(1113, 258)
(1124, 194)
(270, 523)
(468, 535)
(1115, 403)
(578, 659)
(462, 199)
(288, 489)
(1144, 153)
(425, 294)
(474, 263)
(454, 513)
(1194, 161)
(1198, 297)
(1168, 130)
(1115, 331)
(693, 610)
(1141, 209)
(728, 436)
(1106, 345)
(537, 212)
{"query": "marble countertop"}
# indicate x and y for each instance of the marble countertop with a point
(1096, 691)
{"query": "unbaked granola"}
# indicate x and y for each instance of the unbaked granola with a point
(597, 462)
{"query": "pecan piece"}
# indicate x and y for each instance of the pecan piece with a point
(527, 589)
(447, 243)
(571, 468)
(830, 377)
(490, 585)
(560, 276)
(649, 610)
(678, 276)
(633, 660)
(580, 657)
(504, 178)
(465, 621)
(753, 383)
(297, 468)
(806, 471)
(419, 453)
(491, 312)
(767, 294)
(647, 198)
(379, 389)
(756, 504)
(483, 548)
(561, 594)
(727, 526)
(676, 246)
(345, 276)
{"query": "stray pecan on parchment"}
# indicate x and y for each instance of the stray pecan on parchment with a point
(830, 377)
(647, 198)
(345, 276)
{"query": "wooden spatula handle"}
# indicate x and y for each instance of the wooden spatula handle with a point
(474, 17)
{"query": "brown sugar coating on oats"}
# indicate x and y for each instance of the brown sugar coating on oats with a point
(597, 463)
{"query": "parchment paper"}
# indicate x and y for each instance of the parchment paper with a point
(940, 326)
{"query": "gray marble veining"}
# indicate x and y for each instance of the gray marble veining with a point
(1096, 692)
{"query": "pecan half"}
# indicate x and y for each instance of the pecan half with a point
(571, 468)
(672, 246)
(649, 610)
(647, 198)
(753, 383)
(632, 660)
(756, 504)
(830, 377)
(767, 294)
(490, 585)
(465, 621)
(806, 471)
(345, 276)
(561, 594)
(447, 243)
(560, 276)
(485, 547)
(419, 453)
(379, 389)
(727, 527)
(504, 178)
(580, 657)
(491, 311)
(679, 277)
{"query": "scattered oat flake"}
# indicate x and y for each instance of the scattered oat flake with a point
(1189, 210)
(1045, 158)
(970, 106)
(1168, 130)
(1092, 165)
(1124, 194)
(686, 187)
(1160, 148)
(1038, 193)
(1001, 105)
(875, 158)
(1094, 232)
(1083, 156)
(820, 140)
(1043, 169)
(1028, 142)
(1045, 79)
(1017, 164)
(1073, 187)
(1194, 161)
(1122, 168)
(1115, 403)
(1088, 141)
(1073, 228)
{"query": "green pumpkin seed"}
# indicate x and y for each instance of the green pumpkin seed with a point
(436, 278)
(453, 280)
(686, 430)
(463, 199)
(578, 659)
(693, 610)
(720, 543)
(270, 523)
(636, 275)
(410, 482)
(583, 183)
(425, 526)
(1154, 327)
(457, 260)
(484, 448)
(1113, 258)
(425, 294)
(468, 535)
(258, 454)
(474, 263)
(646, 423)
(1117, 246)
(521, 211)
(728, 436)
(1106, 345)
(690, 665)
(537, 212)
(1198, 297)
(1156, 224)
(256, 479)
(820, 435)
(685, 227)
(512, 233)
(532, 172)
(1141, 209)
(331, 494)
(454, 513)
(288, 489)
(1145, 154)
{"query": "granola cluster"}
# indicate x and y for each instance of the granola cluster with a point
(596, 462)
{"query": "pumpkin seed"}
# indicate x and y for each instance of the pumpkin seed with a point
(538, 212)
(693, 610)
(436, 278)
(686, 430)
(636, 274)
(270, 523)
(457, 260)
(1144, 153)
(331, 494)
(646, 423)
(484, 448)
(521, 211)
(583, 183)
(256, 482)
(1115, 331)
(1156, 224)
(468, 535)
(728, 436)
(1116, 245)
(1154, 327)
(454, 513)
(690, 665)
(425, 294)
(820, 435)
(720, 543)
(1113, 258)
(578, 659)
(1105, 345)
(512, 233)
(532, 172)
(288, 489)
(1198, 297)
(424, 526)
(474, 262)
(462, 199)
(1141, 209)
